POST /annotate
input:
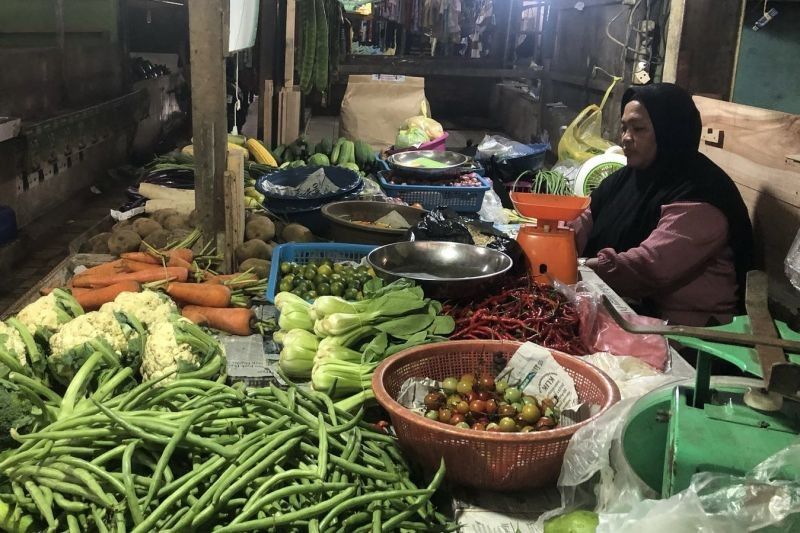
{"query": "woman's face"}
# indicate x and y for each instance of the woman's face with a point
(638, 136)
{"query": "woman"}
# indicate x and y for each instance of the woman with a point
(670, 228)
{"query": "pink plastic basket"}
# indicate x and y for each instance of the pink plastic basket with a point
(481, 459)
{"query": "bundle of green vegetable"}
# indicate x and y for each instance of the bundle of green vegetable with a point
(338, 344)
(197, 454)
(548, 182)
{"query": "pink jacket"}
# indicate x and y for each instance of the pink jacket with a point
(685, 267)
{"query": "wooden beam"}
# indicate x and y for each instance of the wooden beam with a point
(208, 40)
(288, 66)
(437, 69)
(267, 41)
(674, 34)
(233, 193)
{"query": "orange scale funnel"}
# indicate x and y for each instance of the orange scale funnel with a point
(549, 206)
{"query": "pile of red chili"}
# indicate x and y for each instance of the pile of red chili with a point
(521, 311)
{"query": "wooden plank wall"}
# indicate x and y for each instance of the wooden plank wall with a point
(756, 149)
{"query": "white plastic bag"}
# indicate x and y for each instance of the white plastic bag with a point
(792, 262)
(501, 148)
(492, 209)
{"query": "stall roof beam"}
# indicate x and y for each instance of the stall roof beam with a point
(437, 69)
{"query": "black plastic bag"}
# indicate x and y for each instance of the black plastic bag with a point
(512, 249)
(441, 224)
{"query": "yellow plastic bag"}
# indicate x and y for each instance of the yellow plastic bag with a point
(583, 139)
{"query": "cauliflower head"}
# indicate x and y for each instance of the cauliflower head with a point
(163, 354)
(47, 313)
(43, 313)
(87, 328)
(150, 307)
(11, 342)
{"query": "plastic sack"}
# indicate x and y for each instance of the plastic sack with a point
(441, 224)
(492, 209)
(502, 148)
(600, 333)
(431, 128)
(583, 138)
(792, 262)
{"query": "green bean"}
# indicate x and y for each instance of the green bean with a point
(68, 505)
(40, 501)
(98, 520)
(277, 478)
(80, 463)
(288, 491)
(130, 491)
(322, 464)
(263, 431)
(132, 398)
(120, 522)
(281, 410)
(367, 498)
(173, 485)
(174, 519)
(73, 524)
(191, 438)
(376, 521)
(350, 466)
(88, 433)
(434, 484)
(108, 387)
(183, 429)
(347, 426)
(197, 478)
(250, 471)
(130, 428)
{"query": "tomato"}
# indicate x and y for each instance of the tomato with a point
(527, 429)
(477, 407)
(468, 377)
(464, 387)
(512, 395)
(434, 400)
(472, 396)
(484, 395)
(462, 425)
(491, 407)
(449, 385)
(529, 400)
(500, 386)
(478, 426)
(492, 427)
(462, 407)
(530, 413)
(486, 382)
(507, 425)
(453, 400)
(432, 415)
(457, 418)
(506, 410)
(445, 414)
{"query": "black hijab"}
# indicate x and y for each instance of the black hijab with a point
(626, 207)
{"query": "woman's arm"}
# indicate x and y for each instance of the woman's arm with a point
(687, 236)
(583, 228)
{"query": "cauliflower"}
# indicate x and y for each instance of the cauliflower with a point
(149, 307)
(120, 335)
(179, 346)
(46, 314)
(11, 342)
(87, 328)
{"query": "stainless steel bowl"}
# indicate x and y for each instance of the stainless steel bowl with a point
(445, 270)
(452, 163)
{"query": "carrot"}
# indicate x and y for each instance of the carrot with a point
(112, 267)
(138, 266)
(183, 253)
(141, 257)
(145, 276)
(177, 261)
(234, 321)
(234, 281)
(203, 295)
(91, 300)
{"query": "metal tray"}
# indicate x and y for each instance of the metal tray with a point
(454, 163)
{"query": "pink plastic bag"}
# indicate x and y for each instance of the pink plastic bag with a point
(600, 333)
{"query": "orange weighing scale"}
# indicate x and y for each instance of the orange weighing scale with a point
(549, 246)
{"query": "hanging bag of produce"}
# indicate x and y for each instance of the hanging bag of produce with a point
(583, 138)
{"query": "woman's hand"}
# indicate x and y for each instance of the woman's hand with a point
(591, 263)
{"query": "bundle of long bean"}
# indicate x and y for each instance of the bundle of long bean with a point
(523, 311)
(195, 454)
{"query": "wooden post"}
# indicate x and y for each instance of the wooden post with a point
(674, 33)
(208, 39)
(289, 94)
(267, 71)
(233, 193)
(267, 94)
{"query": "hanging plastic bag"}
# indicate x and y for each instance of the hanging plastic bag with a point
(441, 224)
(792, 262)
(492, 209)
(583, 138)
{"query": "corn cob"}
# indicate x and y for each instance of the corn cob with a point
(260, 153)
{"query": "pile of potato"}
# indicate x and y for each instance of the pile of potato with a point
(167, 226)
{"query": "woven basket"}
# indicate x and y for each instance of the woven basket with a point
(485, 460)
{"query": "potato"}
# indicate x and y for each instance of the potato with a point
(194, 219)
(260, 228)
(252, 249)
(162, 214)
(279, 227)
(297, 233)
(97, 244)
(260, 267)
(174, 222)
(122, 224)
(145, 226)
(124, 241)
(158, 240)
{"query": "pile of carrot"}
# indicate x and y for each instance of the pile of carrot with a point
(207, 298)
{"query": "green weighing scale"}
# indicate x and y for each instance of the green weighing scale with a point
(671, 434)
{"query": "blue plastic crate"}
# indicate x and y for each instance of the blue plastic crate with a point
(302, 253)
(461, 199)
